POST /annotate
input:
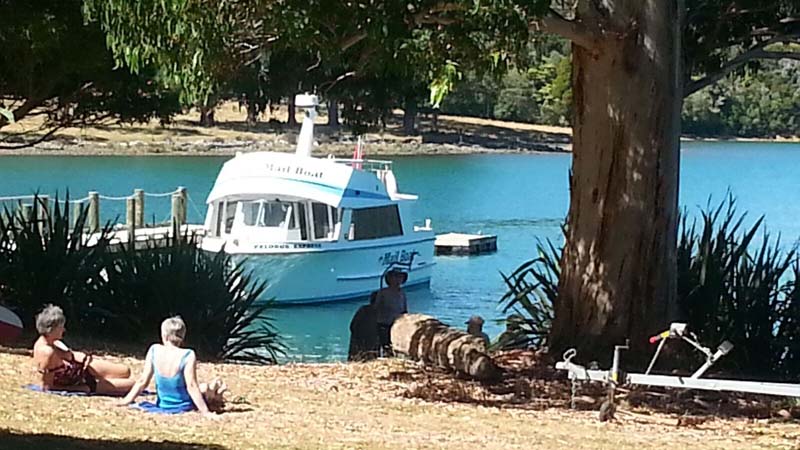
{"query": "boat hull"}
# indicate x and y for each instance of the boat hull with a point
(339, 274)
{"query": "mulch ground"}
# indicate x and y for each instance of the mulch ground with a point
(395, 404)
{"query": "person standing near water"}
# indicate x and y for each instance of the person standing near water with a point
(364, 342)
(389, 305)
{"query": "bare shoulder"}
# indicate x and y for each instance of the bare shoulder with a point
(43, 351)
(44, 355)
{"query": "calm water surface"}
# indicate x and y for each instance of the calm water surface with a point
(520, 198)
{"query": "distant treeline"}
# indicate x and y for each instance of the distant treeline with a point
(77, 63)
(754, 103)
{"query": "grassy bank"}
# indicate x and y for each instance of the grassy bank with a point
(371, 406)
(453, 135)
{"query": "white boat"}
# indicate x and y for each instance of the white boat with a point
(316, 229)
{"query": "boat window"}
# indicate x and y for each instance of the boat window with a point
(250, 211)
(230, 213)
(274, 214)
(301, 216)
(266, 214)
(218, 213)
(373, 223)
(322, 225)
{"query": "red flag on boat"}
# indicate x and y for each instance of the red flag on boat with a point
(358, 154)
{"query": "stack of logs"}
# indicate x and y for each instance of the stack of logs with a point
(423, 338)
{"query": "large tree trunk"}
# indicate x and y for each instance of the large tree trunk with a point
(252, 113)
(333, 114)
(618, 270)
(292, 120)
(410, 117)
(207, 116)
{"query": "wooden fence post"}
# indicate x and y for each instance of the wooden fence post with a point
(94, 212)
(139, 196)
(77, 209)
(25, 213)
(130, 219)
(179, 208)
(42, 211)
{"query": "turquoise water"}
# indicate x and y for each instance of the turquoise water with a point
(517, 197)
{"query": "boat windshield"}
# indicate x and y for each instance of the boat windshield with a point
(273, 214)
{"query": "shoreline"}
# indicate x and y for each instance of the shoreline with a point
(215, 148)
(448, 135)
(212, 149)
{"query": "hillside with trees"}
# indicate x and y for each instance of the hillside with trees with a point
(754, 102)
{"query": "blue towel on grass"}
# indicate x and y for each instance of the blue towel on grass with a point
(37, 388)
(150, 407)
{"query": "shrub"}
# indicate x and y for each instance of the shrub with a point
(532, 292)
(43, 259)
(215, 297)
(114, 292)
(729, 288)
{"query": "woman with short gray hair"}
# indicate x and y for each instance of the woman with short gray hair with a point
(175, 371)
(173, 330)
(62, 369)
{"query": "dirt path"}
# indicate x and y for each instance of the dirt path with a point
(346, 406)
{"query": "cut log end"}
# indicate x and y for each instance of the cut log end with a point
(423, 338)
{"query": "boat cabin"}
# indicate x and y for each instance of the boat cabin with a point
(272, 198)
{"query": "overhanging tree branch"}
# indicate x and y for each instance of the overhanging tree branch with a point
(352, 40)
(36, 141)
(755, 53)
(23, 110)
(576, 32)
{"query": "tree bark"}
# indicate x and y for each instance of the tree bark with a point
(207, 116)
(618, 278)
(292, 120)
(410, 117)
(333, 114)
(252, 114)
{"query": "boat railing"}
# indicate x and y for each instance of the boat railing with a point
(370, 165)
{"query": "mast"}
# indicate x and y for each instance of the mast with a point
(309, 103)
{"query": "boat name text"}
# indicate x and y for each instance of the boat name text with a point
(397, 256)
(293, 170)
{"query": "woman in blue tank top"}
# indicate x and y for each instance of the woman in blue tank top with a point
(175, 371)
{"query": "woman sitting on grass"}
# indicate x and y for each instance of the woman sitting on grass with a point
(62, 369)
(175, 371)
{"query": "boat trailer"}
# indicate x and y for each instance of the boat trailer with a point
(616, 377)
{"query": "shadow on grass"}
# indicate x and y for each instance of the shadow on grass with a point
(24, 441)
(530, 382)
